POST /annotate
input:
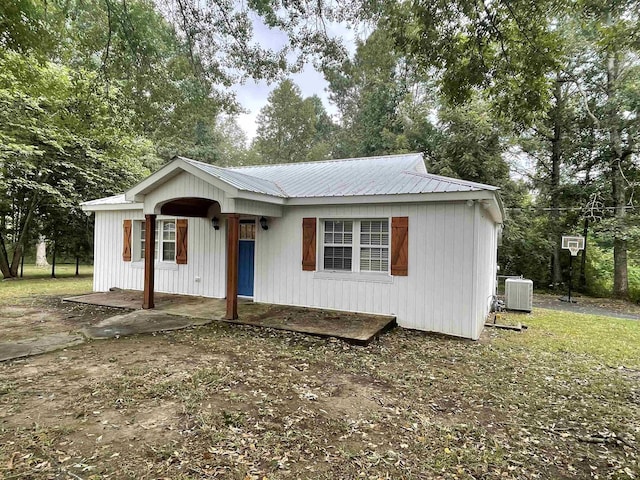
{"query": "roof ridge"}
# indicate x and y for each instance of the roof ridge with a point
(217, 167)
(351, 159)
(457, 181)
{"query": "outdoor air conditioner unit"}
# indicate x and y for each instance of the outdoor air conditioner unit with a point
(518, 293)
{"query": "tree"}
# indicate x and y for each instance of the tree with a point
(62, 141)
(522, 55)
(368, 91)
(505, 48)
(287, 126)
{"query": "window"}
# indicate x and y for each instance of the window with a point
(247, 231)
(374, 245)
(168, 229)
(370, 245)
(338, 239)
(165, 244)
(141, 238)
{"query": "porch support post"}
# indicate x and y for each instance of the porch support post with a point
(149, 261)
(233, 232)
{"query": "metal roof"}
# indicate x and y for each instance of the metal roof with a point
(114, 200)
(384, 175)
(237, 179)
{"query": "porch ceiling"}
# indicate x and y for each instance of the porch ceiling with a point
(188, 207)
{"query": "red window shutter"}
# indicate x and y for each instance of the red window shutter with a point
(400, 246)
(181, 241)
(126, 243)
(309, 244)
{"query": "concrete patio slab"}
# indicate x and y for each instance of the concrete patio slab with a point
(354, 327)
(36, 346)
(140, 321)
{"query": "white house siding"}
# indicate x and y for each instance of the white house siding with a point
(250, 207)
(487, 245)
(437, 295)
(186, 185)
(206, 258)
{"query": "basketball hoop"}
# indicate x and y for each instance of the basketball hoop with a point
(574, 245)
(573, 248)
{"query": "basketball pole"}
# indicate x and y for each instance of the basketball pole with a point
(570, 274)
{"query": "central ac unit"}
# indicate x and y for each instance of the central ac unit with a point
(518, 293)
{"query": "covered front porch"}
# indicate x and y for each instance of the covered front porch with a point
(354, 327)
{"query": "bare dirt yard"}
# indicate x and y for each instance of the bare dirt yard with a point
(560, 400)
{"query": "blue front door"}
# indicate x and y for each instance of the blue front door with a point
(245, 257)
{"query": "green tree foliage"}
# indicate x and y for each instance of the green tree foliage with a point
(505, 48)
(566, 75)
(292, 128)
(368, 92)
(62, 139)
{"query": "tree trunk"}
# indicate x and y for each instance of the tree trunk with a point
(41, 252)
(620, 274)
(18, 247)
(583, 259)
(15, 261)
(53, 261)
(4, 259)
(556, 159)
(77, 265)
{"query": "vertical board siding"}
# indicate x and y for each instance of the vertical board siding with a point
(185, 185)
(486, 268)
(451, 277)
(437, 295)
(206, 259)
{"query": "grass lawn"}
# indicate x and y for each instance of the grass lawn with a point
(38, 281)
(560, 400)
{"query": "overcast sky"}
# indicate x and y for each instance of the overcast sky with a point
(253, 95)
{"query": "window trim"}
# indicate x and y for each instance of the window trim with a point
(137, 242)
(355, 248)
(160, 241)
(350, 245)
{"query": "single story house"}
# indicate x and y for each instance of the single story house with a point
(375, 235)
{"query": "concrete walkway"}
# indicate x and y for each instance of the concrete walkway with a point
(132, 323)
(175, 312)
(36, 346)
(353, 327)
(140, 321)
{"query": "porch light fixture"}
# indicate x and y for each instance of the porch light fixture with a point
(263, 223)
(215, 223)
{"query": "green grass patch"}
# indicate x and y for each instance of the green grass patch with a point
(38, 281)
(610, 341)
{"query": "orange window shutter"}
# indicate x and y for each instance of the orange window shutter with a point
(181, 241)
(126, 243)
(309, 244)
(400, 246)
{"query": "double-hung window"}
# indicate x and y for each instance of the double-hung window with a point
(374, 245)
(168, 241)
(366, 241)
(165, 244)
(338, 245)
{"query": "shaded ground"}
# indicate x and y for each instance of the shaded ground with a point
(561, 400)
(595, 306)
